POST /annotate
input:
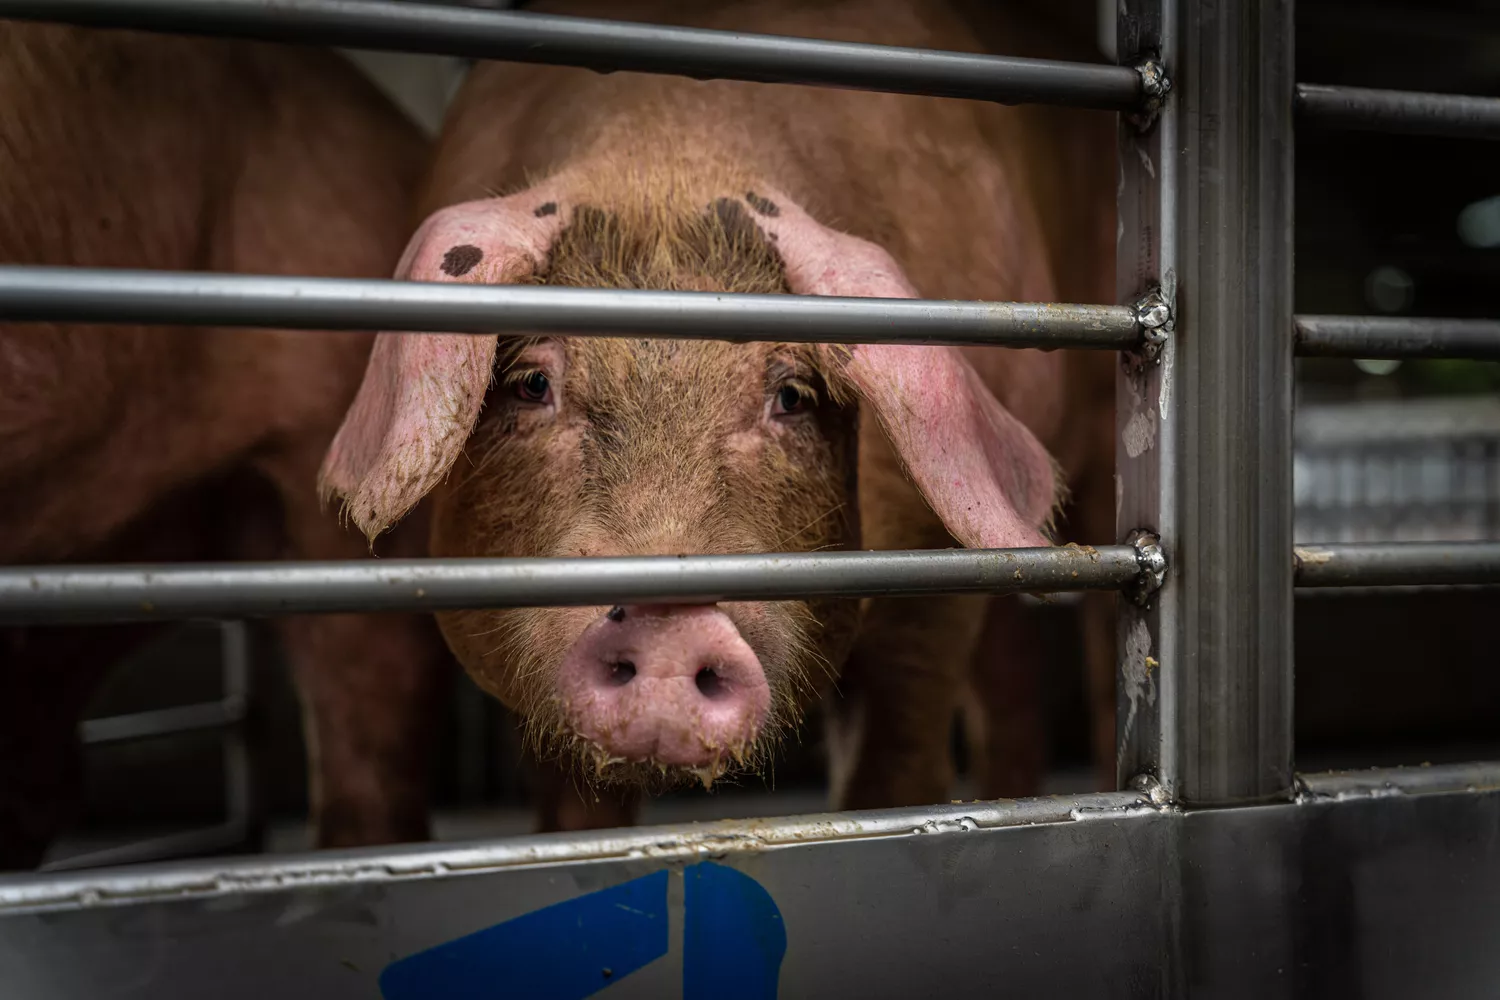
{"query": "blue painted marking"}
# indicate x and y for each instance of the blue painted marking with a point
(567, 951)
(734, 938)
(733, 942)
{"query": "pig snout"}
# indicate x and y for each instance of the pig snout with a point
(670, 685)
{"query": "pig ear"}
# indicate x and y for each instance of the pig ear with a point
(979, 468)
(422, 391)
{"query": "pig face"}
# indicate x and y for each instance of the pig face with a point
(613, 447)
(595, 447)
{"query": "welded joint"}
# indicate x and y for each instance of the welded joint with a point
(1152, 789)
(1155, 86)
(1155, 317)
(1152, 563)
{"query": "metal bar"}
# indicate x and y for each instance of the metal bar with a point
(1397, 337)
(187, 880)
(1204, 698)
(88, 295)
(1398, 564)
(163, 722)
(242, 804)
(1400, 111)
(611, 45)
(59, 594)
(1438, 779)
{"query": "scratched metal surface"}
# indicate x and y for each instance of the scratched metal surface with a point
(1379, 883)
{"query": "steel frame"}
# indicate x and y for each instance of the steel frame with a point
(1120, 893)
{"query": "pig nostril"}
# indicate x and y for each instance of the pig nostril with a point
(710, 684)
(621, 672)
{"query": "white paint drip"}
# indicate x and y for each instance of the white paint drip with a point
(1140, 430)
(1139, 671)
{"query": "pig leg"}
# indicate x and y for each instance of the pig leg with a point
(371, 687)
(47, 676)
(1003, 713)
(890, 729)
(891, 722)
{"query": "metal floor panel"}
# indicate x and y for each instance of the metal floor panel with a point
(1375, 883)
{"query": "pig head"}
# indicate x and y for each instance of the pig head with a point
(612, 447)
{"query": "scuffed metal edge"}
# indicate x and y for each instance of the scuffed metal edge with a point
(192, 880)
(1397, 782)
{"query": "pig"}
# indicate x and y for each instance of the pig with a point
(553, 446)
(143, 443)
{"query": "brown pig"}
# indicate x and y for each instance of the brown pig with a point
(137, 443)
(536, 446)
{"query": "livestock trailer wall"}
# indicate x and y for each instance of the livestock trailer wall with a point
(1215, 870)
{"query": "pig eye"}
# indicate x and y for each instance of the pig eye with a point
(533, 386)
(791, 398)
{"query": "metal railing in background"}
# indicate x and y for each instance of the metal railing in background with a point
(1417, 470)
(228, 715)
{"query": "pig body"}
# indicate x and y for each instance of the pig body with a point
(611, 447)
(140, 444)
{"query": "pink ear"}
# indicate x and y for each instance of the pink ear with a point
(422, 391)
(980, 469)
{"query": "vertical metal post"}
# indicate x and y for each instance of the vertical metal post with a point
(240, 799)
(1204, 453)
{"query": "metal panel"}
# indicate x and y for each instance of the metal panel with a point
(1398, 564)
(610, 45)
(1389, 877)
(1397, 337)
(1400, 111)
(107, 295)
(55, 594)
(1204, 451)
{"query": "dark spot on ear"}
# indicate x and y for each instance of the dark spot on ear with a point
(460, 260)
(550, 208)
(737, 225)
(765, 206)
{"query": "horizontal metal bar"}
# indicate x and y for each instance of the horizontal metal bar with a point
(1397, 337)
(1435, 779)
(187, 844)
(56, 594)
(1398, 564)
(611, 45)
(329, 869)
(88, 295)
(163, 722)
(1400, 111)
